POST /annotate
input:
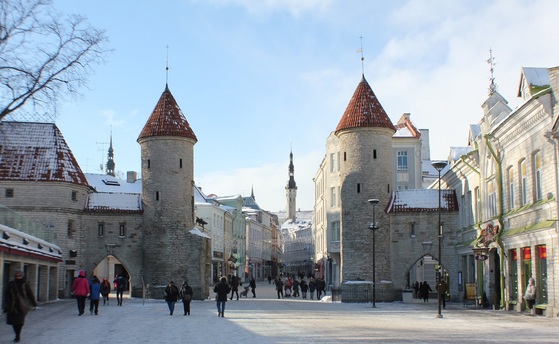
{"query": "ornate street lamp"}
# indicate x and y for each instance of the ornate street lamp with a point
(373, 226)
(439, 166)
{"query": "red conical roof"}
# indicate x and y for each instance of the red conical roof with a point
(167, 119)
(364, 110)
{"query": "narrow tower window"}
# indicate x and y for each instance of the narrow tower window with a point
(358, 187)
(374, 153)
(180, 163)
(157, 195)
(100, 229)
(149, 163)
(345, 156)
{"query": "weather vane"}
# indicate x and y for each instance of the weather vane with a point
(492, 63)
(362, 58)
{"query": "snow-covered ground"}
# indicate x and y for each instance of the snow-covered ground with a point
(266, 319)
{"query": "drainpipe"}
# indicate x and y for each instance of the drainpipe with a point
(500, 212)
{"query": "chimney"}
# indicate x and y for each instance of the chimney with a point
(131, 176)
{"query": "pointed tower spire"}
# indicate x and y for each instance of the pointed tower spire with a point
(291, 190)
(110, 158)
(252, 192)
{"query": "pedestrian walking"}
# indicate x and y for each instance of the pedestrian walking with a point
(80, 289)
(295, 287)
(252, 284)
(530, 295)
(234, 287)
(186, 296)
(279, 287)
(222, 290)
(105, 290)
(120, 287)
(320, 287)
(443, 287)
(94, 295)
(171, 296)
(424, 289)
(18, 300)
(312, 287)
(269, 279)
(304, 288)
(416, 290)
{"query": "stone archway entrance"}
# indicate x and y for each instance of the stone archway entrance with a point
(110, 267)
(424, 269)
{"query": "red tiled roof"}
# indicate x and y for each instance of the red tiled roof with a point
(37, 152)
(364, 110)
(167, 119)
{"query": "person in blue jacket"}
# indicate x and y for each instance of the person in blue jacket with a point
(94, 295)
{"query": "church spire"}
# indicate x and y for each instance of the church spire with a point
(110, 158)
(291, 191)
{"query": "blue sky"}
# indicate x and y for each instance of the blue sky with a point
(256, 78)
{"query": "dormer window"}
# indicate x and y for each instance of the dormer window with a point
(111, 182)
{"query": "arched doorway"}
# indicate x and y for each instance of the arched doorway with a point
(425, 270)
(110, 267)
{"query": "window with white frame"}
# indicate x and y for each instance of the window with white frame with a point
(402, 160)
(477, 195)
(332, 197)
(511, 188)
(523, 183)
(538, 193)
(335, 230)
(332, 162)
(492, 198)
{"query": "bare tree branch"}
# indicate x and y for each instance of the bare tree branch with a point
(43, 59)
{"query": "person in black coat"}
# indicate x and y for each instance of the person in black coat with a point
(222, 290)
(252, 284)
(171, 296)
(18, 300)
(186, 296)
(234, 287)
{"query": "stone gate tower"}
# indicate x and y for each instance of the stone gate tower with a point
(365, 140)
(171, 252)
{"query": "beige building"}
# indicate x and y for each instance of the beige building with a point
(507, 186)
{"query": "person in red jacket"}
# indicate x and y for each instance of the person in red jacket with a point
(80, 289)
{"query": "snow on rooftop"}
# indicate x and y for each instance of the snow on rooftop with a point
(111, 193)
(196, 231)
(20, 241)
(422, 200)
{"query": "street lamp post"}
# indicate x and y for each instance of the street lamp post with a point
(439, 166)
(373, 226)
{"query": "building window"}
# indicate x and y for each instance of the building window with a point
(180, 163)
(74, 195)
(492, 198)
(71, 229)
(523, 183)
(358, 187)
(332, 197)
(538, 176)
(157, 195)
(335, 231)
(100, 229)
(332, 167)
(149, 163)
(477, 208)
(345, 156)
(122, 230)
(9, 193)
(412, 229)
(402, 160)
(338, 156)
(511, 188)
(374, 153)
